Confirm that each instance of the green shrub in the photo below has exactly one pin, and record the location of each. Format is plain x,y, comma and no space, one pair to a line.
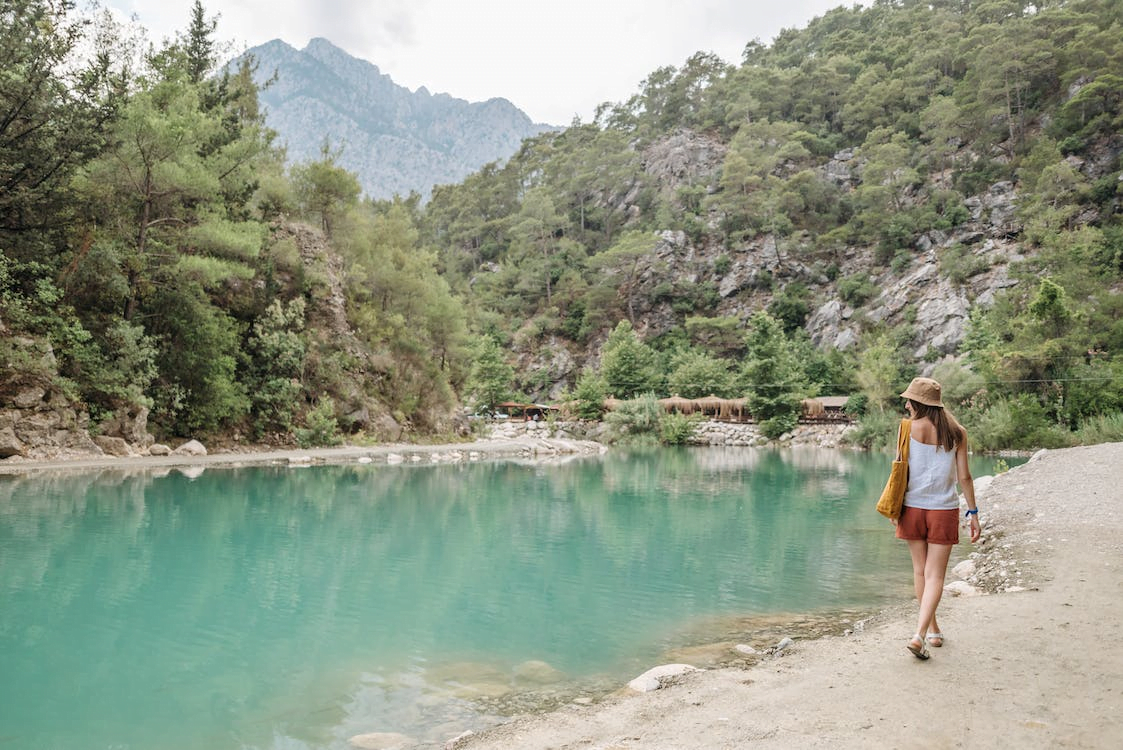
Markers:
321,427
958,263
1105,428
634,422
774,427
589,395
1017,423
857,405
876,430
856,289
677,429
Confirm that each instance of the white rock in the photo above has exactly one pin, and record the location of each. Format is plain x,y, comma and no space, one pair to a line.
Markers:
784,644
394,458
745,649
653,678
964,570
459,739
961,588
191,448
159,449
981,485
365,459
382,741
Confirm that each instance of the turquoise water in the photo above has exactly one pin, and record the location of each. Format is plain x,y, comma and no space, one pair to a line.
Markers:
295,608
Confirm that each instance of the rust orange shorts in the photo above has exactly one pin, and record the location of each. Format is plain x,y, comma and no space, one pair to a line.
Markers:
932,526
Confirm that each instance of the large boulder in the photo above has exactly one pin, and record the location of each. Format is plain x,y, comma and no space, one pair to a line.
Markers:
190,448
129,423
112,446
385,428
10,445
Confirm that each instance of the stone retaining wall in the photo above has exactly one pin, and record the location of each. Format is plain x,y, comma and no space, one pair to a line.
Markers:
705,433
735,434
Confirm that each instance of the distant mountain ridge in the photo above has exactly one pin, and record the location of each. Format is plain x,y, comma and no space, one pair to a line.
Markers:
394,139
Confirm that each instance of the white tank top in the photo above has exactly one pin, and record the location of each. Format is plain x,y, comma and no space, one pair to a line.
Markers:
931,477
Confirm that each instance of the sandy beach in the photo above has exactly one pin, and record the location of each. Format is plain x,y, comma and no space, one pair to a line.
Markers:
1032,668
1030,659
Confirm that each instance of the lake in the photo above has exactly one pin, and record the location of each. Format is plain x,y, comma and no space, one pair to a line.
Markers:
294,608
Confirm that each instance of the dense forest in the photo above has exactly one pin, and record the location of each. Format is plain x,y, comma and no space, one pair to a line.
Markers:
160,263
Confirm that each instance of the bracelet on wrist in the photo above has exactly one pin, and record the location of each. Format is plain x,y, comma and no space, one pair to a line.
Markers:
971,512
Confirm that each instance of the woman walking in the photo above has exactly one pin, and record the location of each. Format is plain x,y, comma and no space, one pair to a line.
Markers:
929,520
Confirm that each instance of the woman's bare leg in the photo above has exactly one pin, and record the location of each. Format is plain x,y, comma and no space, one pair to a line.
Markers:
935,569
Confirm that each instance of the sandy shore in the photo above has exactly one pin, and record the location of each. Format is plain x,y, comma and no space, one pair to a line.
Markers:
1036,668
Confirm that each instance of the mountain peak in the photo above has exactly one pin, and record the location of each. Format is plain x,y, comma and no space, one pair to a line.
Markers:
395,140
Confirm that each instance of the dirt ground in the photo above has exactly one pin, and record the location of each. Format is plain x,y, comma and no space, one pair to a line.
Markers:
1036,668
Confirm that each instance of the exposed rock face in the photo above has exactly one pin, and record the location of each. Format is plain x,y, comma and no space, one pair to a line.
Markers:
327,321
129,424
685,158
37,420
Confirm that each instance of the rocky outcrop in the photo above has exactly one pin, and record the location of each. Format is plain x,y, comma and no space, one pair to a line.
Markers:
685,158
935,297
130,424
37,419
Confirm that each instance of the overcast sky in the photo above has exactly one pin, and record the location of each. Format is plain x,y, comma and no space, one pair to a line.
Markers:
553,60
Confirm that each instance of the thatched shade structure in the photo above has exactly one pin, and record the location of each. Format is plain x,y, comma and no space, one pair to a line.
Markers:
708,404
733,408
678,404
811,407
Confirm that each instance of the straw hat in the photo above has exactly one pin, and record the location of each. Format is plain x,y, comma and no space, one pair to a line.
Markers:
924,391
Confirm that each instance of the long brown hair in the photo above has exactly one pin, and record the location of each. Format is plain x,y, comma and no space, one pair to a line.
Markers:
949,433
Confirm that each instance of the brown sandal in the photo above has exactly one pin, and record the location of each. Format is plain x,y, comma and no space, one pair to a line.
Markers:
916,648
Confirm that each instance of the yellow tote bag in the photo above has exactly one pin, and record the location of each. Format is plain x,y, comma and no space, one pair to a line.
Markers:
893,496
